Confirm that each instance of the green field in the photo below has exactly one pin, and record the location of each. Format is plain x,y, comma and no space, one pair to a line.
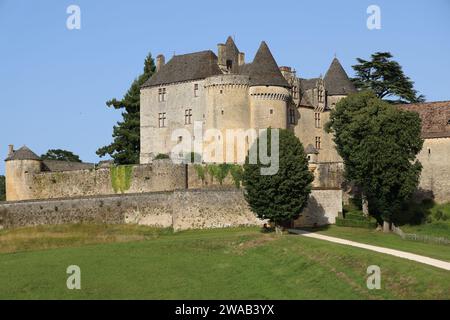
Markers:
127,262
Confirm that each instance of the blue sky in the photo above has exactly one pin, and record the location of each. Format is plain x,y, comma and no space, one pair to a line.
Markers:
54,82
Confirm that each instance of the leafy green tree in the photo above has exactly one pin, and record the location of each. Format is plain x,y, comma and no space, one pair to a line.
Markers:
125,147
2,188
280,197
62,155
378,143
385,78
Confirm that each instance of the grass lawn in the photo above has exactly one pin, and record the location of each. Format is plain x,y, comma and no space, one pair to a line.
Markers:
389,240
434,229
128,262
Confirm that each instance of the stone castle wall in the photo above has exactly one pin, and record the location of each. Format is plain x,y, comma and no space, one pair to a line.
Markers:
160,194
435,176
159,176
181,210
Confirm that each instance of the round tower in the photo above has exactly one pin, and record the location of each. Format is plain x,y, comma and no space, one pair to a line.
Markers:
269,92
227,102
20,166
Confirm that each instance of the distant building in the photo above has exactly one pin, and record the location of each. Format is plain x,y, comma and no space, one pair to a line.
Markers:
435,154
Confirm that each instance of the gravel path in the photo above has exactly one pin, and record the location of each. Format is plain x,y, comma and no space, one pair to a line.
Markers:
397,253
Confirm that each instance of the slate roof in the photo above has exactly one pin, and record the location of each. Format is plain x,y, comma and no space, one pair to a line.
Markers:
186,67
264,71
435,118
307,84
336,80
311,150
23,153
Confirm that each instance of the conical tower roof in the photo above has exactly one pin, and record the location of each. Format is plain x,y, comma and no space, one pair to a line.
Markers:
23,153
264,70
231,45
336,80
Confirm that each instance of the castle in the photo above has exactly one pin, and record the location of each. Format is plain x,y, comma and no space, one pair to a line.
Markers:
224,92
221,92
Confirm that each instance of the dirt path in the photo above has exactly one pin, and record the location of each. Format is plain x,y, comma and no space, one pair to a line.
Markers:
397,253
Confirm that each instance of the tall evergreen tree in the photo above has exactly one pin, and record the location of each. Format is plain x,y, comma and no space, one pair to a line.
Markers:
125,147
385,78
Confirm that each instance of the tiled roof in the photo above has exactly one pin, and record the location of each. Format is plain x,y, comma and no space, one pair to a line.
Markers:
435,118
23,153
186,67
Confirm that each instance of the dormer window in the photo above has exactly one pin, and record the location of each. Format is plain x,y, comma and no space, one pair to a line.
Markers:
320,95
294,92
229,65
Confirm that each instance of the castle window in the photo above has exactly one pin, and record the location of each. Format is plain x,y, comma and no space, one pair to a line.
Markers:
318,142
320,93
162,120
271,111
188,116
221,112
317,119
448,122
196,90
161,94
229,65
295,92
291,116
180,139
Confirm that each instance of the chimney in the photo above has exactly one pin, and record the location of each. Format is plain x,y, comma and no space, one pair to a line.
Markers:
160,61
221,54
241,58
10,150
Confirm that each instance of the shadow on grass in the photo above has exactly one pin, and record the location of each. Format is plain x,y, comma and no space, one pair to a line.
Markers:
298,230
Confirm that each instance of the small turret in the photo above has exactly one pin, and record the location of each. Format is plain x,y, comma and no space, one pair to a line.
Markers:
269,91
20,166
229,57
311,153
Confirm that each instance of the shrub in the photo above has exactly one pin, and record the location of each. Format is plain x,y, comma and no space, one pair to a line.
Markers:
280,197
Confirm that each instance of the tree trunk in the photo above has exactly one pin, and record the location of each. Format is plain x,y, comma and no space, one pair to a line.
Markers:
365,204
386,226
